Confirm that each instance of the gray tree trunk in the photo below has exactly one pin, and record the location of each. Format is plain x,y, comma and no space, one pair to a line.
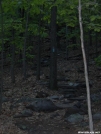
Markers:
86,71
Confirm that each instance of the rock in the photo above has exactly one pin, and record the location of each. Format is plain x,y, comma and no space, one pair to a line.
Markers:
75,118
25,113
79,84
25,99
54,97
73,84
66,101
22,100
42,104
96,97
61,97
71,107
97,116
71,110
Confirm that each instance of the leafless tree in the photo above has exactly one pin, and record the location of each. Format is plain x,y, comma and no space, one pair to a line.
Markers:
86,71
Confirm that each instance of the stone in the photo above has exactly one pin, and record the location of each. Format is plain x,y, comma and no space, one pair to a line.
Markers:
54,97
71,110
24,113
42,104
79,84
61,97
22,100
75,118
66,101
96,97
73,84
97,116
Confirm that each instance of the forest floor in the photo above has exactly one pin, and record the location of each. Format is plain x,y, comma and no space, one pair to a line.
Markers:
48,122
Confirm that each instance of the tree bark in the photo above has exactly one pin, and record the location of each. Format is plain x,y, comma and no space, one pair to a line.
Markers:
39,50
24,48
67,43
86,71
1,64
12,58
96,44
53,63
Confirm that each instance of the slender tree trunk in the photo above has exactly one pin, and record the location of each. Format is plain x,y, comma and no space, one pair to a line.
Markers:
86,72
24,48
53,66
12,58
1,63
67,42
39,50
90,38
96,44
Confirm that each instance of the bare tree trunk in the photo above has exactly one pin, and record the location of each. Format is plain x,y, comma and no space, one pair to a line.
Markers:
39,49
67,42
1,63
86,71
53,65
24,48
96,44
12,58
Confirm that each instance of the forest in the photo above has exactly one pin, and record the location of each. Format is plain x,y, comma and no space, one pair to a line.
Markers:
50,66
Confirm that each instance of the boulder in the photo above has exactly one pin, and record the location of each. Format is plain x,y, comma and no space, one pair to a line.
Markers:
71,110
42,104
75,118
